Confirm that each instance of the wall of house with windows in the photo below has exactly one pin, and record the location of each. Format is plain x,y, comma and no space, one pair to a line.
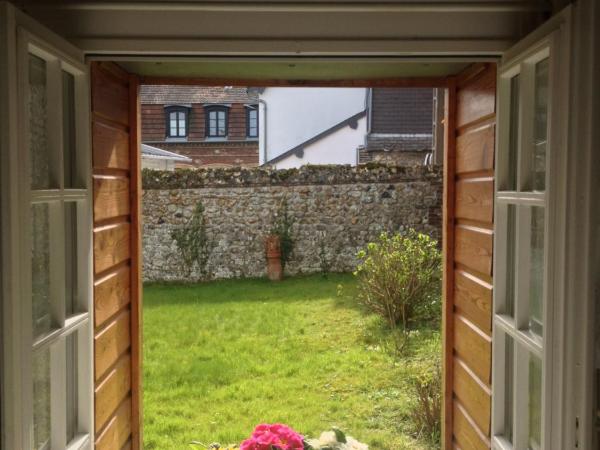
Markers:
214,126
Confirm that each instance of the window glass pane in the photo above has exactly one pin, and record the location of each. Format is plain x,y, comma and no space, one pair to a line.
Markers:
535,403
71,394
222,116
38,127
509,362
70,258
540,125
511,239
40,269
173,117
173,131
70,174
513,141
41,399
173,123
536,287
182,127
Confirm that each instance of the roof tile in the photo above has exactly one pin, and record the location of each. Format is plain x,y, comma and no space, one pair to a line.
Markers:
164,95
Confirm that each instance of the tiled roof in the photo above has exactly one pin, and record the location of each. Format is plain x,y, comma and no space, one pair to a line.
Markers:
195,94
153,152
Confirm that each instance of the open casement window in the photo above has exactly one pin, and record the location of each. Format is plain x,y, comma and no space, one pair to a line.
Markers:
177,121
56,299
525,324
217,121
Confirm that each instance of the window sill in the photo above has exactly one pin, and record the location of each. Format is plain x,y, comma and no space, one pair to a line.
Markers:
216,139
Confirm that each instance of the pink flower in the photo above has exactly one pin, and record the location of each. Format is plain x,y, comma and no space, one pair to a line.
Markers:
268,437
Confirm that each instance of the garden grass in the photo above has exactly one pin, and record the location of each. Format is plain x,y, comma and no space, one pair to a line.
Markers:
221,357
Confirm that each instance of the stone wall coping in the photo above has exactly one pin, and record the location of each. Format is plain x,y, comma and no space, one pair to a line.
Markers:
306,175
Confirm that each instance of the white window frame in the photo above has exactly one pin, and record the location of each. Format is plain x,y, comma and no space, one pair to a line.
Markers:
19,346
551,40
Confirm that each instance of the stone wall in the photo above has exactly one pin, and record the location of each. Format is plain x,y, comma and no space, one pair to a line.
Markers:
336,210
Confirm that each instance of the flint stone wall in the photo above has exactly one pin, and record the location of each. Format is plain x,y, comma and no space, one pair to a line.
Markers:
336,210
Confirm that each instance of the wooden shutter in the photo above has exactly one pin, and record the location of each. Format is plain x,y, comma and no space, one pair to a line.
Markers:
117,295
468,245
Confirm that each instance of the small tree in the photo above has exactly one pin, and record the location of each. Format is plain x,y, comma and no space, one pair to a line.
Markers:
282,226
193,243
399,278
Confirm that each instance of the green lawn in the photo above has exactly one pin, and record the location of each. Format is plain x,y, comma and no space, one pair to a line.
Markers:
221,357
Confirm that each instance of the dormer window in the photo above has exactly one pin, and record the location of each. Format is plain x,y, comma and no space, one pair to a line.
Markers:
217,118
252,121
177,121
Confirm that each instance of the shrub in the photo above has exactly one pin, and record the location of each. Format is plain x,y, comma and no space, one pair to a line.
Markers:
399,278
193,243
426,413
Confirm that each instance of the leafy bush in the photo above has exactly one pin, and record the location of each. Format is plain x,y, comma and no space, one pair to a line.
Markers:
426,413
283,223
399,278
193,243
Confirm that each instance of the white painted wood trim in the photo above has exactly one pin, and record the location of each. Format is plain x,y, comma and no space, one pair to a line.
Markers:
24,36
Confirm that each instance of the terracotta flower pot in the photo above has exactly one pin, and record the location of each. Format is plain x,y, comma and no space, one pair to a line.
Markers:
273,251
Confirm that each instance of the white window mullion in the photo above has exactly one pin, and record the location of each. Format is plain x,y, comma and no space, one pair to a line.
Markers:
26,337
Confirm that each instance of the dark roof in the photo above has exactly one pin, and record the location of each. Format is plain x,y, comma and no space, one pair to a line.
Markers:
154,152
166,95
351,121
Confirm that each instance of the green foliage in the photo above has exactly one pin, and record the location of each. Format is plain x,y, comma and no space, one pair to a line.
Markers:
193,243
426,411
399,278
282,226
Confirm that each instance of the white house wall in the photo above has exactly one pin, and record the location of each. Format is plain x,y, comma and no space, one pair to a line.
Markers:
339,147
295,115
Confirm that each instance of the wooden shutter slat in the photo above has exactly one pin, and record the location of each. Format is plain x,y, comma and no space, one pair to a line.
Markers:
117,303
468,250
